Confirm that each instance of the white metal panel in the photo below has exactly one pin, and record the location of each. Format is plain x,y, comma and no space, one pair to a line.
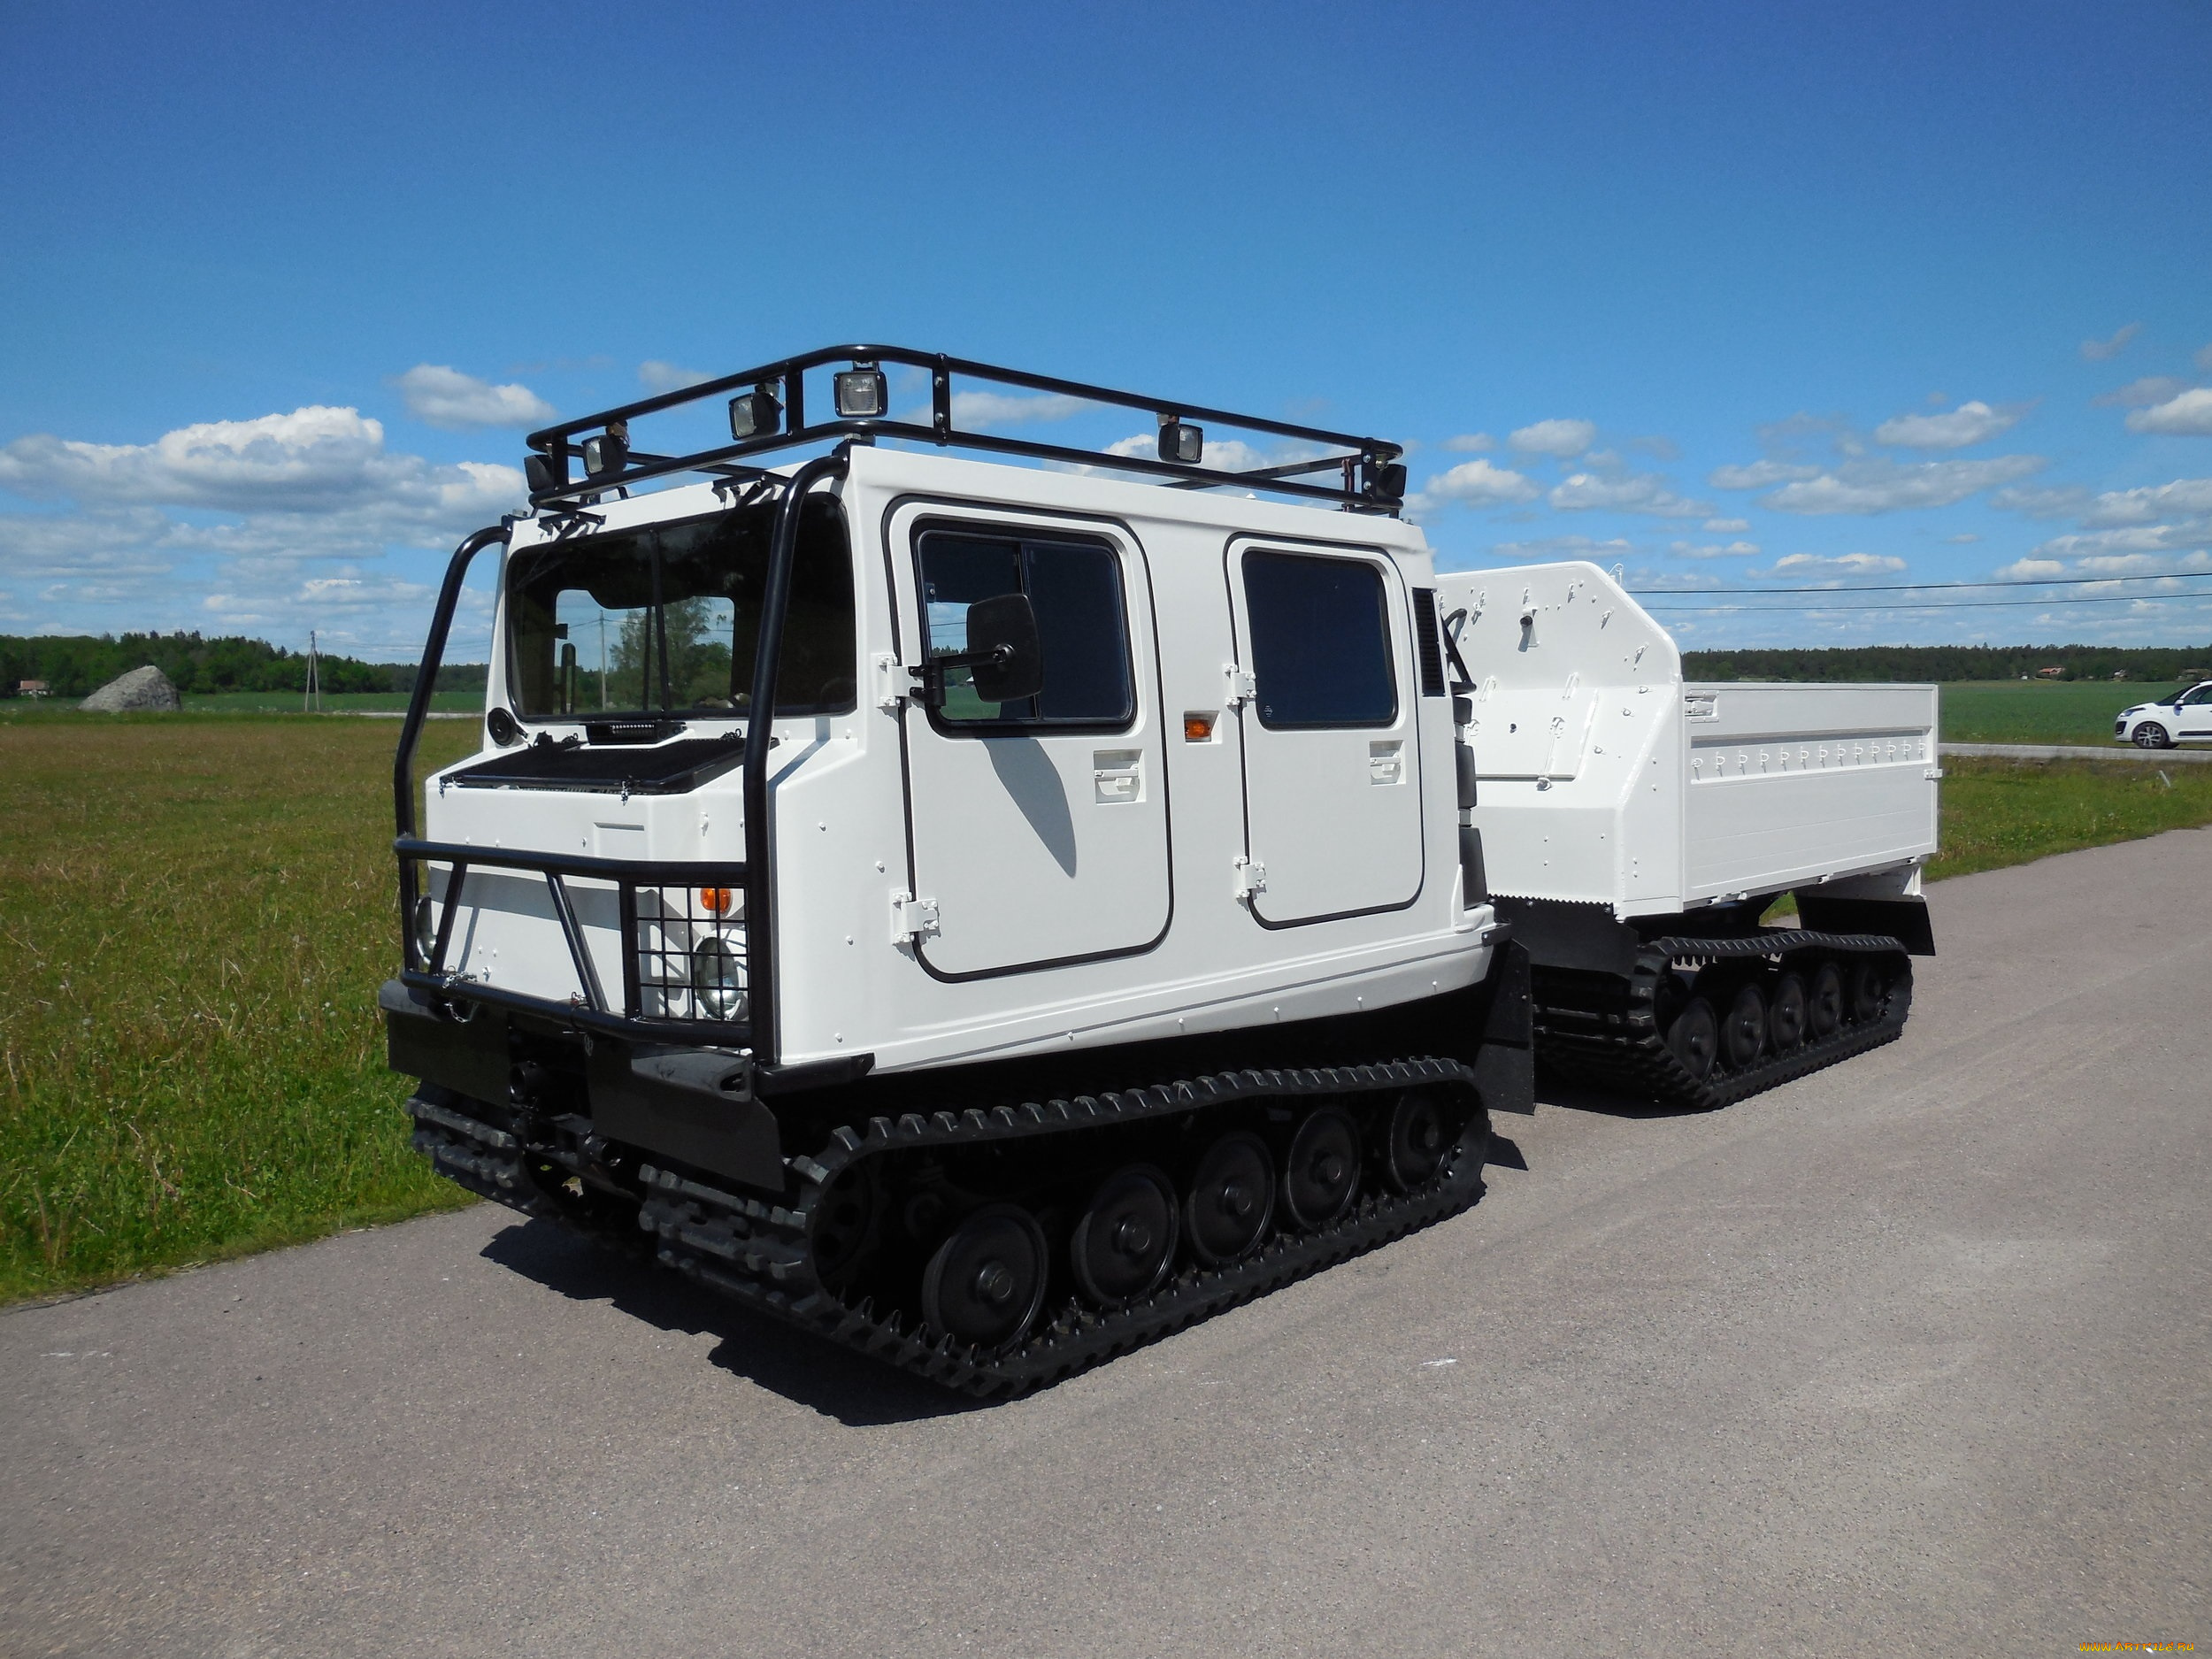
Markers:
1674,795
1048,846
1335,814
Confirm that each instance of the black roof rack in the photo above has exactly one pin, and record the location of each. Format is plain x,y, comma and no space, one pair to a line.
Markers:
774,417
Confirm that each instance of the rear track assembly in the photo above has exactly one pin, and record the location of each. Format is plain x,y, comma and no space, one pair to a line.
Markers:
1602,1029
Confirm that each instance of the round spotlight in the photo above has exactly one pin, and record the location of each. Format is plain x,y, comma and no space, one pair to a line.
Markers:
718,975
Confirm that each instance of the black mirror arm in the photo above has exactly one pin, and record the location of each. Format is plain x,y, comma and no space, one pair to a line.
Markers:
930,675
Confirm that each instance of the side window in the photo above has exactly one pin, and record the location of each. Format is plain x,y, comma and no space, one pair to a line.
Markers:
1075,589
1320,642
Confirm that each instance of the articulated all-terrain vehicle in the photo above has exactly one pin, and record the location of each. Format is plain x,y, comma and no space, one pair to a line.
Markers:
992,915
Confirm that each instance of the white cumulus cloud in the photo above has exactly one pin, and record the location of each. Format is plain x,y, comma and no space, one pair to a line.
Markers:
1710,550
1823,567
2149,504
1564,439
1877,486
656,374
1473,484
2104,350
1553,549
443,397
1955,429
1471,442
2152,388
1727,526
1761,474
2187,414
315,459
1625,492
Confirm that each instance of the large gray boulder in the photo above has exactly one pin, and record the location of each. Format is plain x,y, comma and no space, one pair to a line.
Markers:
142,690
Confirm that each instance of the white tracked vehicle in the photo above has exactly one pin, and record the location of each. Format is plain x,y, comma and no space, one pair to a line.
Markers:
993,916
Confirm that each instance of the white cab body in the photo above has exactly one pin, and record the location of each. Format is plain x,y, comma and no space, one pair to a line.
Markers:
946,896
1605,778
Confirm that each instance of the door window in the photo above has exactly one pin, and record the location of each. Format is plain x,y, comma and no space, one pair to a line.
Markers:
1075,589
1320,642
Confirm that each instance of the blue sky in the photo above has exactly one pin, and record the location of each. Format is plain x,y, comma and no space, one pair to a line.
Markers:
1733,295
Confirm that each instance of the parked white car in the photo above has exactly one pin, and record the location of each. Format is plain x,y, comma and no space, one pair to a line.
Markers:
2187,718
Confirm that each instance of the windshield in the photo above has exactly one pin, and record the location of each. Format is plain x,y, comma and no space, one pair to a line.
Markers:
661,619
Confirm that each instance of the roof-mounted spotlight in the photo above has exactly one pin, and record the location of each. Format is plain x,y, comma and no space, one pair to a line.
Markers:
1180,441
756,414
862,394
609,451
541,475
1382,480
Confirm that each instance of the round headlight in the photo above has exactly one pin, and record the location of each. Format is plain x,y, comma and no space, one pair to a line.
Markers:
717,974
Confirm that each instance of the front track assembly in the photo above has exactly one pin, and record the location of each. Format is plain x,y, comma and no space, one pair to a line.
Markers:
832,1257
1702,1023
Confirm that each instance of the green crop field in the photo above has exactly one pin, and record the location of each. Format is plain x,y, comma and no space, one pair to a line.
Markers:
2038,710
196,911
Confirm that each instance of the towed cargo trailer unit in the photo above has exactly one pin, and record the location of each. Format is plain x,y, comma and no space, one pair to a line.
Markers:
1635,829
989,916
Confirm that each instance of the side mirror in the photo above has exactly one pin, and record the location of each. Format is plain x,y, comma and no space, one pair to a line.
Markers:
1004,655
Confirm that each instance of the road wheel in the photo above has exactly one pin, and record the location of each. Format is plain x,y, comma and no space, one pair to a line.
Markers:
1743,1034
1123,1240
1230,1200
1413,1141
986,1283
1786,1015
1869,991
1321,1173
1694,1036
1824,1003
2150,734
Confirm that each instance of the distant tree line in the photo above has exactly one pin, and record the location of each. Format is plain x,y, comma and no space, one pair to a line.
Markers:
1950,661
73,665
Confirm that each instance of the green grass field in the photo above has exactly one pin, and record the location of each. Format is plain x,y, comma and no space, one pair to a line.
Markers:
2038,710
337,702
195,912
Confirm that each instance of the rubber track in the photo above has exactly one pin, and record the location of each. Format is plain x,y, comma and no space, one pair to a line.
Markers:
1613,1040
757,1253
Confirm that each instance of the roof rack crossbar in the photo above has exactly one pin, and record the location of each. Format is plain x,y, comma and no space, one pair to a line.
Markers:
1362,461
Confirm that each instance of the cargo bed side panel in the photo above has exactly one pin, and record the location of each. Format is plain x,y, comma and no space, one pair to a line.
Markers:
1795,784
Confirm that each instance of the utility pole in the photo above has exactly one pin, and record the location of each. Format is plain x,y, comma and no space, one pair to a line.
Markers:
311,698
602,662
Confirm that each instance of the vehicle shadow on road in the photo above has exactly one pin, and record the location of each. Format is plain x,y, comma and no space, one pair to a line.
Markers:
805,1370
1581,1097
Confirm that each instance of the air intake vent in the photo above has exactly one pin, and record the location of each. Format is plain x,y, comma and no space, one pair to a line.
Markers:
1430,641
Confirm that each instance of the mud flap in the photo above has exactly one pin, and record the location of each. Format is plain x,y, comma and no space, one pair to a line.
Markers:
688,1104
468,1057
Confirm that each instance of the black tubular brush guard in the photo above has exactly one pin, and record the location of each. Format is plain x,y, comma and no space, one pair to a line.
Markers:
755,877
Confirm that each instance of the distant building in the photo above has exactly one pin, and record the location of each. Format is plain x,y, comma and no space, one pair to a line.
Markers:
2050,673
2119,673
32,688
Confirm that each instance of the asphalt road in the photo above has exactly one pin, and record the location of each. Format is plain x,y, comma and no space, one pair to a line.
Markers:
1911,1354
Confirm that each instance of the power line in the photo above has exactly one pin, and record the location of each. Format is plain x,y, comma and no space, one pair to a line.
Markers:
1916,588
1953,604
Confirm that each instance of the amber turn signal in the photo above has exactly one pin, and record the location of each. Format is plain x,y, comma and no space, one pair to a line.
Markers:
1198,728
718,900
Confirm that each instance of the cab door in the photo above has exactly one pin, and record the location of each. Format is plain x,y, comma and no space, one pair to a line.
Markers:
1332,786
1039,829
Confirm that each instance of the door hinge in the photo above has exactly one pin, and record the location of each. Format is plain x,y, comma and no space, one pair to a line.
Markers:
1241,689
911,918
1251,879
894,683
